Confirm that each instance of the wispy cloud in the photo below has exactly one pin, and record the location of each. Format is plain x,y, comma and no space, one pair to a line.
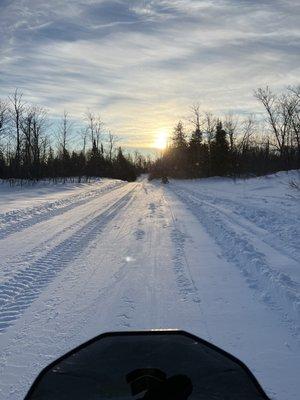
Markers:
142,63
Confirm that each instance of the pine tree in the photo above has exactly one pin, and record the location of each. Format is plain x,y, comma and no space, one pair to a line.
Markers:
51,172
125,170
179,137
179,152
65,164
77,163
196,152
95,162
220,152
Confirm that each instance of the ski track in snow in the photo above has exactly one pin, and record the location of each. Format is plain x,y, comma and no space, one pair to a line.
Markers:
143,255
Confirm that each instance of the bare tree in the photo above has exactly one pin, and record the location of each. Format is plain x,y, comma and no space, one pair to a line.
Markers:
64,133
3,120
84,134
38,133
280,111
112,141
196,118
95,126
210,124
139,161
247,131
3,115
33,127
295,90
295,115
16,113
26,127
230,125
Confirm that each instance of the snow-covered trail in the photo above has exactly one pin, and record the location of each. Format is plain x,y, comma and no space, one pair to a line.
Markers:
143,255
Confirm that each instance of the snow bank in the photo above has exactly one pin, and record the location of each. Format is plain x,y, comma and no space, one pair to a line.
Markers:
22,206
256,223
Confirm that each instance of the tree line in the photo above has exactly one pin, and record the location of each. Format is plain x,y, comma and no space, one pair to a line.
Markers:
233,146
30,149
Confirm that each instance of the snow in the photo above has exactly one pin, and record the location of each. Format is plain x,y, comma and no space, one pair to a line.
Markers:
216,257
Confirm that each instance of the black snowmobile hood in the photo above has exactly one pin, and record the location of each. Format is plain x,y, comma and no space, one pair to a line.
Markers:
150,365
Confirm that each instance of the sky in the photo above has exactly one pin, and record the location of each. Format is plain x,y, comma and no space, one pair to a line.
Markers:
141,64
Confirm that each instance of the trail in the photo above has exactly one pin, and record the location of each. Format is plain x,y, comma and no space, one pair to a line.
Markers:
144,255
245,245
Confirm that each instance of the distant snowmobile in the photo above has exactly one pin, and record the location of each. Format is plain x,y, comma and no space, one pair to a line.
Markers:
164,179
154,365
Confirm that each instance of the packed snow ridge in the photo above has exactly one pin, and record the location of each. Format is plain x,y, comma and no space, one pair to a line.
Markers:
216,257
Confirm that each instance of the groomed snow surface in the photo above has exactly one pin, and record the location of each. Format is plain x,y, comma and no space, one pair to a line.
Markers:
215,257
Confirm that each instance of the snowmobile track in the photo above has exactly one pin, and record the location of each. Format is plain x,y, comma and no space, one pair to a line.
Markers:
19,292
238,246
184,279
153,258
262,223
12,222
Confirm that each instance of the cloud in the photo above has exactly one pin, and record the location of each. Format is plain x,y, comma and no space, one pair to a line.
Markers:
141,63
107,12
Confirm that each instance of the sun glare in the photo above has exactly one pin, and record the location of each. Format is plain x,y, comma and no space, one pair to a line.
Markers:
161,140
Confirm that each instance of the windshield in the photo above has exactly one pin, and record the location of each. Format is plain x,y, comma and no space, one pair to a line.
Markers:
152,366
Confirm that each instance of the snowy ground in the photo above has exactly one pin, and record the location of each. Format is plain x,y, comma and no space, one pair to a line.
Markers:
214,257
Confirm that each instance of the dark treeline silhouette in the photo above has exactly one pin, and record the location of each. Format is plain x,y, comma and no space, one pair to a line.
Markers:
233,147
29,149
32,149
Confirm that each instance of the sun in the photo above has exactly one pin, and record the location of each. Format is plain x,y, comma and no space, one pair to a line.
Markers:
161,139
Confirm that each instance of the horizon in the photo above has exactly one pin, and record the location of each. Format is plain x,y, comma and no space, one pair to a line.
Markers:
142,65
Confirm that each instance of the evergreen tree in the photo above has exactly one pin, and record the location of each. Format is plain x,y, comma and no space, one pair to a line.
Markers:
78,163
220,152
197,157
179,137
125,170
65,164
178,153
51,170
95,162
